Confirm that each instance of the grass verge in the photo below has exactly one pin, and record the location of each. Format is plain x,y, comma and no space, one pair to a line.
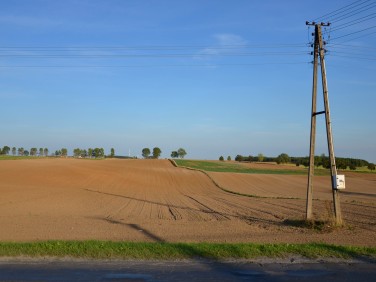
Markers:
8,157
173,251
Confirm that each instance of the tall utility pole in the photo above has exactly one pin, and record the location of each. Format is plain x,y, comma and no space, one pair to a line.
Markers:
319,51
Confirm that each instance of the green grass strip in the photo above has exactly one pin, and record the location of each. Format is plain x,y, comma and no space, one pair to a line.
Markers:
12,158
239,168
173,251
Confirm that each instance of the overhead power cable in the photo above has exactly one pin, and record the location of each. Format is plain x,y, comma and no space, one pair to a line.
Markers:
354,22
341,10
355,32
151,66
90,56
352,13
147,47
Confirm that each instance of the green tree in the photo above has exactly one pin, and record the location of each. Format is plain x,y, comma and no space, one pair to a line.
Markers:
64,152
371,166
239,158
45,151
90,152
229,158
174,154
98,152
5,150
40,152
145,152
181,153
14,151
21,151
283,159
26,153
260,157
33,151
112,153
84,153
156,152
77,152
221,158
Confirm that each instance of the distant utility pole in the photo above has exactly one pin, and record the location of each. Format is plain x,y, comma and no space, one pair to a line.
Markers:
338,181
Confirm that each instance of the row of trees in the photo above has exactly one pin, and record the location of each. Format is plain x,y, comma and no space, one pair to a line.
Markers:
342,163
23,152
156,153
91,153
96,152
180,153
147,154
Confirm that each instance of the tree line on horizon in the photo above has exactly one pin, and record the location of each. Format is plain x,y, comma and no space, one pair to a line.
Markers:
63,152
86,153
320,161
147,154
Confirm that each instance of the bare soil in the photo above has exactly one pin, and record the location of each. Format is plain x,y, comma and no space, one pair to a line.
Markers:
151,200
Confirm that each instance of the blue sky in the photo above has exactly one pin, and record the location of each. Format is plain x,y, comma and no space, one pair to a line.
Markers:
214,77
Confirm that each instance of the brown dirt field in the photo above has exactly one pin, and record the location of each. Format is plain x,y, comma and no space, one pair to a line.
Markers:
151,200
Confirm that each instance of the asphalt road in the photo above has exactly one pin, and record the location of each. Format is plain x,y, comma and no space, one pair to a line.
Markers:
192,270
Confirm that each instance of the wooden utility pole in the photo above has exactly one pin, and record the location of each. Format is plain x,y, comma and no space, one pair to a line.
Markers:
319,51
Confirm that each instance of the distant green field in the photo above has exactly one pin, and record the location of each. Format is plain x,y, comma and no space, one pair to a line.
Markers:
8,157
217,166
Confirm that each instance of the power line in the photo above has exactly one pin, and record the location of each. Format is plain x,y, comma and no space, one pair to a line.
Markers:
354,22
96,56
355,32
352,13
147,47
151,66
341,10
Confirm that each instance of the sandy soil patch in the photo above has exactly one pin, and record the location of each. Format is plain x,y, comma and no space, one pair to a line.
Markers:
150,200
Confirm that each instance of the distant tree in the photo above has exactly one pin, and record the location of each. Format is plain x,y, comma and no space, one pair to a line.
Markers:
14,151
250,158
283,158
181,153
221,158
229,158
174,154
77,152
26,153
21,151
371,166
112,153
83,153
90,152
45,152
40,152
58,153
156,152
239,158
33,151
145,152
341,164
352,166
98,152
260,157
5,150
64,152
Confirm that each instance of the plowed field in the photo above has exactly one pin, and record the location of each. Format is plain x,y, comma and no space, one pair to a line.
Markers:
151,200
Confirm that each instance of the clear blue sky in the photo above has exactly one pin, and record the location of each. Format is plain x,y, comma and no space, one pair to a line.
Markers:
214,77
